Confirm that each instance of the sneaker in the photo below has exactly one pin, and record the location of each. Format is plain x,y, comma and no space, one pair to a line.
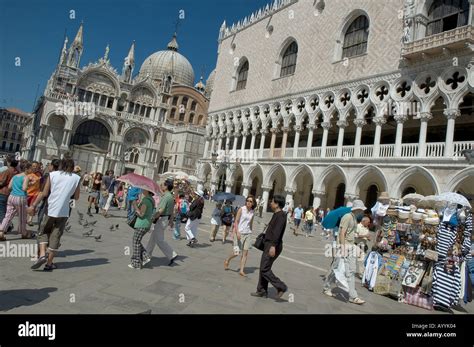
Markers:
357,301
262,294
194,240
40,261
133,267
145,261
190,244
328,292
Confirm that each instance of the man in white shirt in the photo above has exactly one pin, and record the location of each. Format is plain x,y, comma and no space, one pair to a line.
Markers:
60,186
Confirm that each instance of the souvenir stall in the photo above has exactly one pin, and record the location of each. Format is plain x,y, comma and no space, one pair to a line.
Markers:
419,256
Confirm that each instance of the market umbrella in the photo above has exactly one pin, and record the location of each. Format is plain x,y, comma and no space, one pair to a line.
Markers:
224,196
333,218
453,198
140,181
412,199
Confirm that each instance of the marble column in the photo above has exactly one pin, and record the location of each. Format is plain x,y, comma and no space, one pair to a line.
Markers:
399,137
296,144
206,147
213,145
309,146
289,196
227,142
359,123
262,142
379,121
234,146
252,143
284,141
265,196
244,142
326,126
219,143
246,190
273,140
424,118
317,198
114,105
340,139
451,115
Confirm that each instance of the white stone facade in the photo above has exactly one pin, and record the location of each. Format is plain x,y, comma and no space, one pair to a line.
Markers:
395,117
120,121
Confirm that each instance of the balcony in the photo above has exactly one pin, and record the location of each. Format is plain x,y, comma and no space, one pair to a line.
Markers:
434,44
409,151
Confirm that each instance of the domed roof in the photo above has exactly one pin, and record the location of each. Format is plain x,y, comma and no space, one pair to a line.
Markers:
210,83
169,62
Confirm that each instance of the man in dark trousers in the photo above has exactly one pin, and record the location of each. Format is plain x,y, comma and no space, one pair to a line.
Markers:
273,245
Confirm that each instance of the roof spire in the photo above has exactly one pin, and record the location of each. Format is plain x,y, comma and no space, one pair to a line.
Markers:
173,44
78,39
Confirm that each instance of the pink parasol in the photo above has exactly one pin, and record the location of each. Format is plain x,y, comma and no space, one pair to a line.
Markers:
141,182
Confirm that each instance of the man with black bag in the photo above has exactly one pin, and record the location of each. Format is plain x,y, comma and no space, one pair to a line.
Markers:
273,245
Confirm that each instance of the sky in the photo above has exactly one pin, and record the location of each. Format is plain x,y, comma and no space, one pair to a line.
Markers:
33,30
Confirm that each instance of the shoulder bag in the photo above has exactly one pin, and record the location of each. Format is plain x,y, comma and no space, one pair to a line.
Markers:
259,241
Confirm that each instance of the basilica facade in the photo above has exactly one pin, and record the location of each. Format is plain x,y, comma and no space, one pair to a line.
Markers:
325,101
149,123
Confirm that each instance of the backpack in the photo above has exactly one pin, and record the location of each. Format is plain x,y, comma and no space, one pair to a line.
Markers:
183,209
227,216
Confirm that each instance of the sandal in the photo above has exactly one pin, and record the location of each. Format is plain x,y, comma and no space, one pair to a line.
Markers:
226,265
357,301
328,292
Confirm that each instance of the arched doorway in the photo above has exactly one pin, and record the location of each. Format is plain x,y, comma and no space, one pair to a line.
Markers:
408,190
255,185
92,132
371,196
221,183
302,181
340,192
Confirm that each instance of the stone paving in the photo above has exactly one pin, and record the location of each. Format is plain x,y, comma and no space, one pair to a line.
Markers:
93,277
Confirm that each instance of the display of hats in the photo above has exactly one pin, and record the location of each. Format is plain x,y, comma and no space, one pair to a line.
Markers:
416,215
432,220
431,213
383,197
403,214
392,211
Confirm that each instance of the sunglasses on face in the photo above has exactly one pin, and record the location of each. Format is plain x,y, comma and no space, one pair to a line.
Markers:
249,201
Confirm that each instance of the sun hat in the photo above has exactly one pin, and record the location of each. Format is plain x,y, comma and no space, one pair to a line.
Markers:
199,192
383,197
358,205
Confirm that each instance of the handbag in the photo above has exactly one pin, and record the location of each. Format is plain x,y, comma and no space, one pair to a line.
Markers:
132,220
382,284
259,241
414,297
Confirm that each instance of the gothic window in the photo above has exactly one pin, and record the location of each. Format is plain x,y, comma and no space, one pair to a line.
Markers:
130,107
173,112
161,166
242,76
148,111
95,100
102,100
193,106
181,117
142,111
134,155
356,38
446,15
88,96
175,101
191,118
80,94
288,64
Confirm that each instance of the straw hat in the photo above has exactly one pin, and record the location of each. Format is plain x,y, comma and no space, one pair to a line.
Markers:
416,215
358,205
384,197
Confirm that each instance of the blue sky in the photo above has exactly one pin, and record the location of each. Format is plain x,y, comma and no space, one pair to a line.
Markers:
34,29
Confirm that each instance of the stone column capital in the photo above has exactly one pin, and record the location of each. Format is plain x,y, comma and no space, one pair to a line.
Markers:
274,131
290,190
380,121
298,128
255,132
267,188
311,127
326,125
425,116
342,124
400,119
452,113
286,130
358,122
318,193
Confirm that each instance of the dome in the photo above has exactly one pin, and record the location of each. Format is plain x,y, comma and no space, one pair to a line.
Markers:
169,62
210,83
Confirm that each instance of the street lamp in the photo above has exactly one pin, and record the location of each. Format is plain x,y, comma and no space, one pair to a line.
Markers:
224,162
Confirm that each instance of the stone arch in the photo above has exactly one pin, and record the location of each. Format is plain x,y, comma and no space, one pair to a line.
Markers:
367,177
87,78
204,170
237,178
236,70
136,136
301,181
253,170
271,173
418,177
300,169
134,93
332,182
82,134
463,180
327,172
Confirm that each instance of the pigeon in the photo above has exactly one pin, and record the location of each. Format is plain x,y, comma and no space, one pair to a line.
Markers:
111,228
97,238
88,233
92,223
68,229
116,226
85,224
81,215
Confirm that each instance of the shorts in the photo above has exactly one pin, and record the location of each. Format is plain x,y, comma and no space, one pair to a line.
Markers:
297,222
51,230
244,243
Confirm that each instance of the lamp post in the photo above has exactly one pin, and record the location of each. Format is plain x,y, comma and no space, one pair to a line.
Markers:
224,162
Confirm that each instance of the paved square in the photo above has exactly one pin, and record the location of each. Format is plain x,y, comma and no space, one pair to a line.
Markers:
93,277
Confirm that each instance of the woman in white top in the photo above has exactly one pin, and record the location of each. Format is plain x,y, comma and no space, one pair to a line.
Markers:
242,233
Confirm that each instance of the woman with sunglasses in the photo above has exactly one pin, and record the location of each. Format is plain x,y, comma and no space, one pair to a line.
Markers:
242,233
